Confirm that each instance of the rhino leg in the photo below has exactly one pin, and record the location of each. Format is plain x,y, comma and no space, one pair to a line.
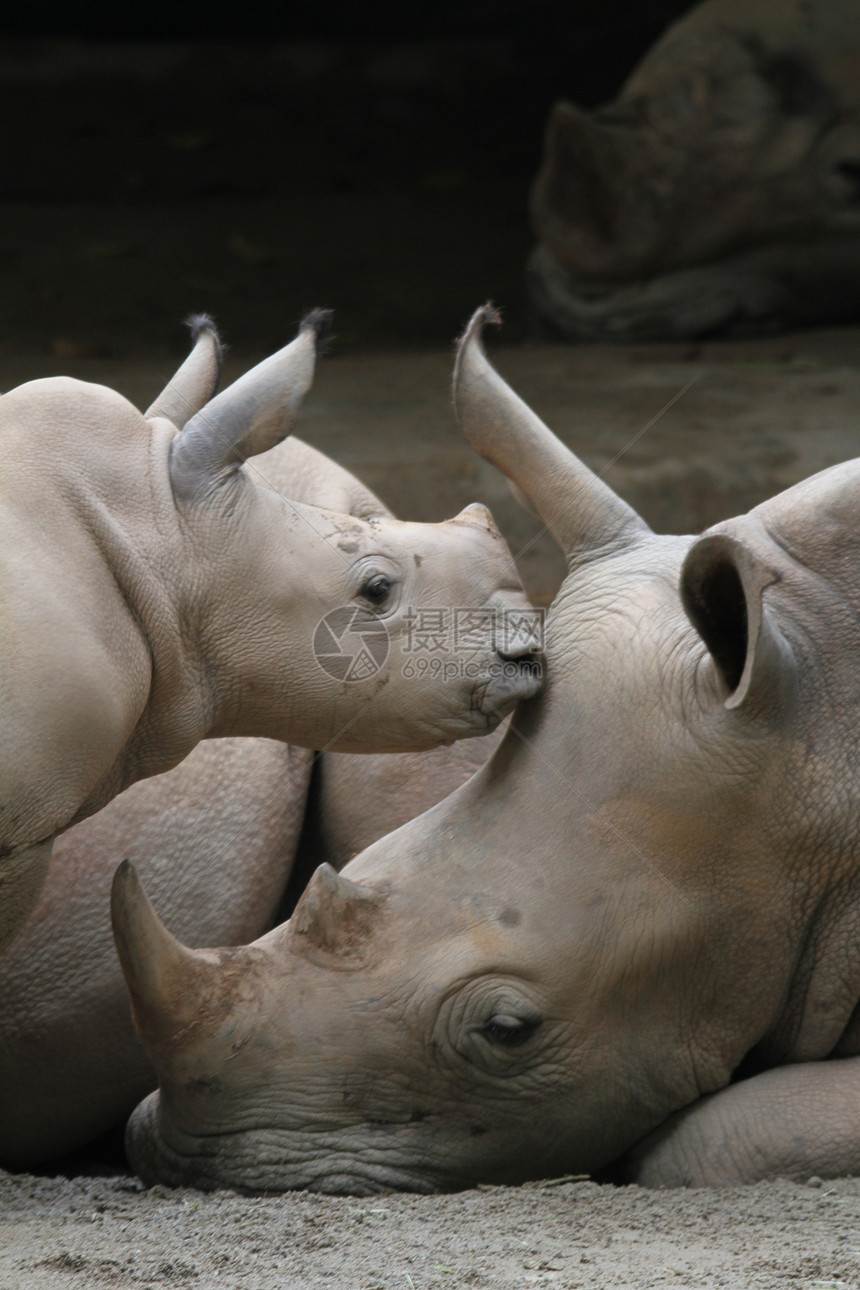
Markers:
22,877
795,1122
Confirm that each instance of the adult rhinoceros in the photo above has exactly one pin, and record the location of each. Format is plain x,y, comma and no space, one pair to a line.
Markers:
720,191
651,887
155,593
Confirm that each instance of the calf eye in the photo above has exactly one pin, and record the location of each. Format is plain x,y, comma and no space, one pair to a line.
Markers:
509,1032
376,590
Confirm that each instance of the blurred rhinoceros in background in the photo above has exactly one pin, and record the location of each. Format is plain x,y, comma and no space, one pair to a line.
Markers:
720,192
651,888
156,593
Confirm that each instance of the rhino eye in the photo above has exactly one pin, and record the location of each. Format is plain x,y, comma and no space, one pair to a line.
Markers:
376,590
509,1032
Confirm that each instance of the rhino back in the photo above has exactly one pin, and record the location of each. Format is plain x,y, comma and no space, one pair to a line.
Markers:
65,711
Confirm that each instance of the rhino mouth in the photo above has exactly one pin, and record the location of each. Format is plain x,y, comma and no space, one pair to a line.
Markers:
255,1161
510,681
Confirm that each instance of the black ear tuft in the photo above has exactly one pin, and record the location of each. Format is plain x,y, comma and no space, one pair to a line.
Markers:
197,324
319,321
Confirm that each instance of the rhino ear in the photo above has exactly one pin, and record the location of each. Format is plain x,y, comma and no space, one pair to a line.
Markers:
333,921
722,581
178,995
249,417
197,379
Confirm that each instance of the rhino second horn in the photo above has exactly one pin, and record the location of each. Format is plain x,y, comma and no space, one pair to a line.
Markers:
580,511
332,923
196,381
173,989
252,415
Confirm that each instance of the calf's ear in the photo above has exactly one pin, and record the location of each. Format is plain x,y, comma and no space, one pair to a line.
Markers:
249,417
722,585
196,380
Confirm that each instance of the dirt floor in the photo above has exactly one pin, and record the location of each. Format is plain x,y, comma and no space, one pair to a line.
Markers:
108,1232
689,435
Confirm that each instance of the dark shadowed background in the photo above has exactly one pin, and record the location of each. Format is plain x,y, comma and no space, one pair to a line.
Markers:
256,160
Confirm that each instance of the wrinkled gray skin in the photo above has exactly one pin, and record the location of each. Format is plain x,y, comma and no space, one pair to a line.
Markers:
215,840
719,192
166,595
654,879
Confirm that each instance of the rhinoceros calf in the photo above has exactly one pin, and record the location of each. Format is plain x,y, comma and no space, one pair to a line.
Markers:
215,839
652,886
155,594
720,191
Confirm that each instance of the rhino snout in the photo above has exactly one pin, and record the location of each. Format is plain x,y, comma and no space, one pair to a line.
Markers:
519,644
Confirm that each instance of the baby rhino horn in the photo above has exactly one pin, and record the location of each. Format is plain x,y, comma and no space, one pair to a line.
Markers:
333,922
178,995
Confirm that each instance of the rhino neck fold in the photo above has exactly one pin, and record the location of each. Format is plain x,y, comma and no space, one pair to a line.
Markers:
148,555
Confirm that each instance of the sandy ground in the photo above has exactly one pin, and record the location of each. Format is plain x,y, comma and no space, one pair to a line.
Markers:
689,434
95,1232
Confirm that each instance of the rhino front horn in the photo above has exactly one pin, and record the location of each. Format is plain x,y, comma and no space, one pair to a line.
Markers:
175,992
589,205
250,416
580,511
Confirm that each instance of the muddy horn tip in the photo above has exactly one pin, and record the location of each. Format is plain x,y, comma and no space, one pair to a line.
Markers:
318,321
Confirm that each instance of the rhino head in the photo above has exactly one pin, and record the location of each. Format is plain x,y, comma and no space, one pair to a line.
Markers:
195,599
309,635
719,191
654,879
